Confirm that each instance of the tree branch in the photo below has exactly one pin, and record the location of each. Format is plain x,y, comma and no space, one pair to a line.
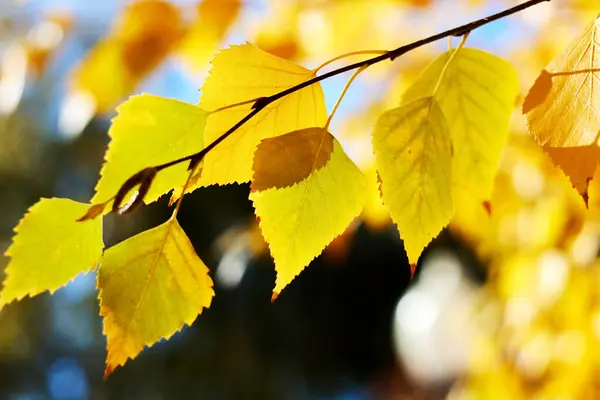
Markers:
391,55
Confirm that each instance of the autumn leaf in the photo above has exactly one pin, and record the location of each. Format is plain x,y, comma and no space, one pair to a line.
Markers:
242,73
288,159
299,221
562,106
148,131
413,155
150,286
50,248
477,93
214,18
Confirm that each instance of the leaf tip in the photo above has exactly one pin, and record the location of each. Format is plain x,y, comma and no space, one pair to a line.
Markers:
274,296
94,211
108,371
413,268
487,206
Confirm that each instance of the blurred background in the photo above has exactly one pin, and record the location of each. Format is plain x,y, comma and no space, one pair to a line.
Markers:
504,304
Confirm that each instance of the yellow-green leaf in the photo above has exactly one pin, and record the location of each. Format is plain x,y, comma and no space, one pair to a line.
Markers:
299,221
563,106
150,286
50,248
477,94
413,154
241,73
148,131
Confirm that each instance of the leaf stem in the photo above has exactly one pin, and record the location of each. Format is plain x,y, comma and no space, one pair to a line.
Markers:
391,55
339,100
452,57
241,103
354,53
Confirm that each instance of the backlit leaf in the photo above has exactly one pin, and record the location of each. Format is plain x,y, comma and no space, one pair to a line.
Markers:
563,106
413,154
149,131
477,94
287,159
299,221
242,73
150,286
50,248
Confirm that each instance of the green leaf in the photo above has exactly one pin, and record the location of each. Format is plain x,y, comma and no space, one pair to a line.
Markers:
50,248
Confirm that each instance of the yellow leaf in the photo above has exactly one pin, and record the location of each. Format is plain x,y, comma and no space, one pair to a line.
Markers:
563,105
242,73
299,221
413,154
150,286
50,248
148,131
477,94
288,159
214,19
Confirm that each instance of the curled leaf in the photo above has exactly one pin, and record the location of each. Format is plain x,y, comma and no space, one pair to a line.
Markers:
142,180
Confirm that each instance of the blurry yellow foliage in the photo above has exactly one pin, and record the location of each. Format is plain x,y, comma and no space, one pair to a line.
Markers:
144,35
203,37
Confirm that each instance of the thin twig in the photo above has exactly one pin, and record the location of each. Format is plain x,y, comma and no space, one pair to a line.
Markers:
391,55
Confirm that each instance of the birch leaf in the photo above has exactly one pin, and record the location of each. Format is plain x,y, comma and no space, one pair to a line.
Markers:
413,155
477,94
563,106
148,131
299,221
245,72
50,248
151,285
